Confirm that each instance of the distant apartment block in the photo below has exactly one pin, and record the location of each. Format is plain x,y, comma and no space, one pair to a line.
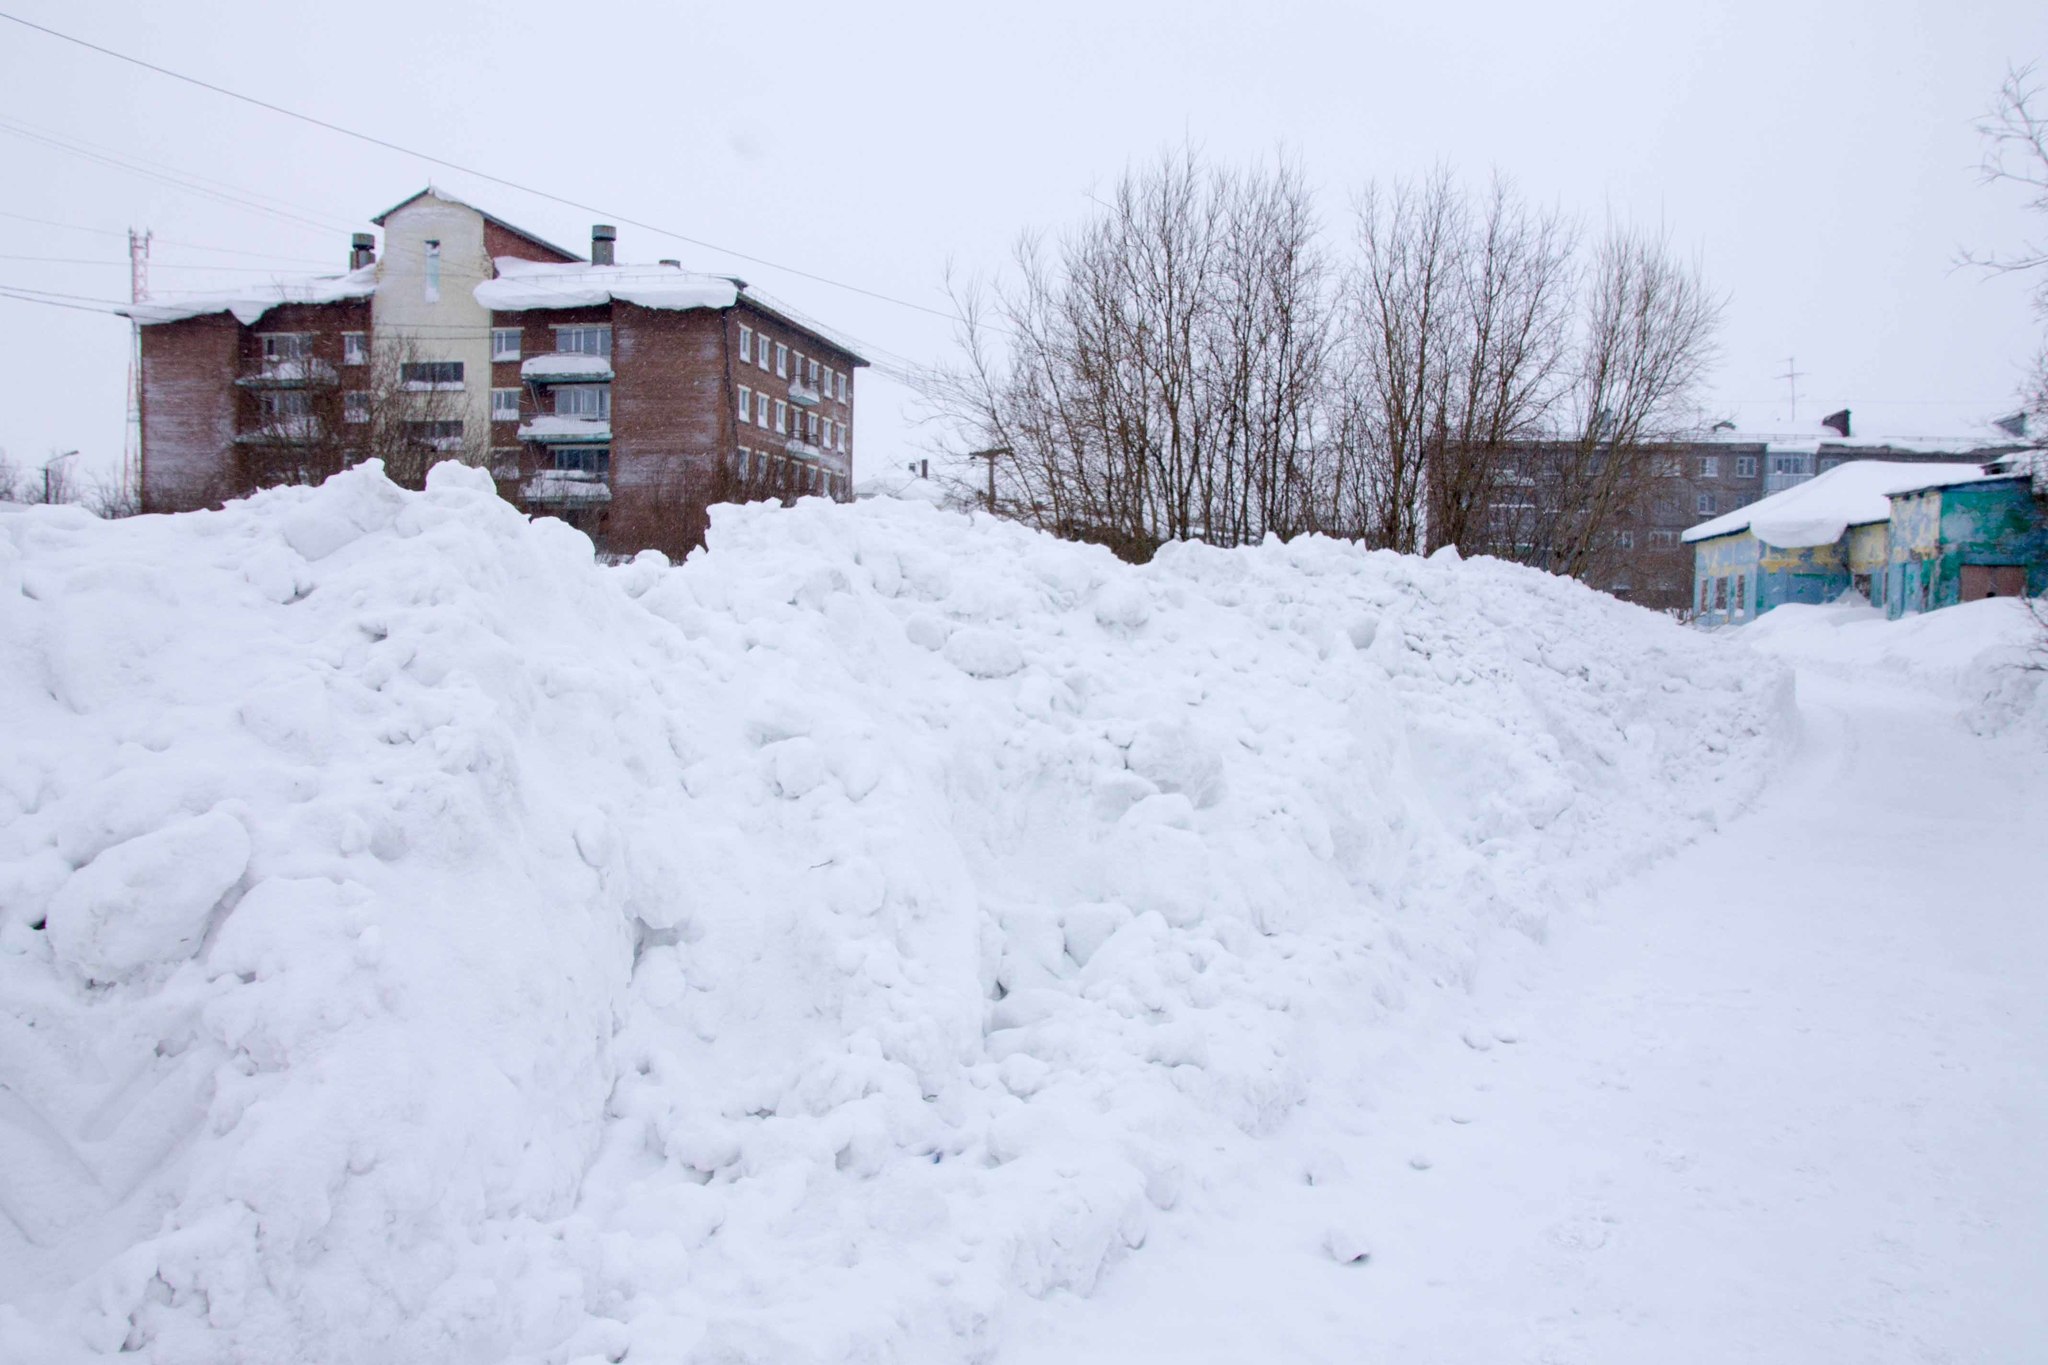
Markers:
621,398
1697,478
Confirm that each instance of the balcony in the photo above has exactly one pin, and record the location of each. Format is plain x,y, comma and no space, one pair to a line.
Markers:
567,367
803,395
288,374
566,487
289,431
804,450
550,429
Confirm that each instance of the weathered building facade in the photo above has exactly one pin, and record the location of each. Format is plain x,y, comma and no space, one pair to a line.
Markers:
623,398
1907,538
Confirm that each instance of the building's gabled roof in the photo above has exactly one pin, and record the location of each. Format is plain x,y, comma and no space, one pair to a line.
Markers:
1820,510
488,217
251,302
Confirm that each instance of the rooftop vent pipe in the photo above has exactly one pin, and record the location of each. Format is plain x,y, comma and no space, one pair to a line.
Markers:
602,235
1839,421
362,251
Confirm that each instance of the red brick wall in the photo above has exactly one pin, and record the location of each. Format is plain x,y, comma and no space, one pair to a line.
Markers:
188,411
500,242
757,376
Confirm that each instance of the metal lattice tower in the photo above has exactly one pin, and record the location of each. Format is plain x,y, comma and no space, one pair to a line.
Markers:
138,292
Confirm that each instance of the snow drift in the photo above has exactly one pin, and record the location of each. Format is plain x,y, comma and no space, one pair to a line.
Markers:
421,943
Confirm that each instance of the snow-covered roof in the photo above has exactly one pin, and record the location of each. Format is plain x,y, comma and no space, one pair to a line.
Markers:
251,302
1810,443
1820,510
539,284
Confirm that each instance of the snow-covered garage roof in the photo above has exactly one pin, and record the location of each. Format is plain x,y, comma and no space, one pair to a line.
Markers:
1820,510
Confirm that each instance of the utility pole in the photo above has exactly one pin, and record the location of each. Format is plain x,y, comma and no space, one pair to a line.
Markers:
138,292
1792,376
49,487
992,454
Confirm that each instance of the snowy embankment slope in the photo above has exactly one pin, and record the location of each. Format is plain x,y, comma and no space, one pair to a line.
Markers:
420,943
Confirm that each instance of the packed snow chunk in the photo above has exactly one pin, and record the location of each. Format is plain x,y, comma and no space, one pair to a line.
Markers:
148,900
984,654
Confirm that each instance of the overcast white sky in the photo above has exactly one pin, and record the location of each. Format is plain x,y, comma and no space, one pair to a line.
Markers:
1819,157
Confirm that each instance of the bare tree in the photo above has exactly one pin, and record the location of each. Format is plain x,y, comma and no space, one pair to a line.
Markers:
1647,336
1156,374
2015,133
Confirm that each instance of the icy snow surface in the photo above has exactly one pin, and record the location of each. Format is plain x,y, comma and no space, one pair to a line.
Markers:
545,284
420,943
251,303
1818,511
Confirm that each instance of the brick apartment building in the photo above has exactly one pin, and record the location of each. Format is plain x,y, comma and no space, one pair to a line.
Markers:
622,398
1716,471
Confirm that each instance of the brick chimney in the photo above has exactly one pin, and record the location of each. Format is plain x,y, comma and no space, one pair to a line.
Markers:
602,235
1839,421
362,251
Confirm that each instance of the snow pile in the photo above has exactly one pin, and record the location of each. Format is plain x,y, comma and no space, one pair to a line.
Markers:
419,943
544,284
251,303
1820,510
1990,656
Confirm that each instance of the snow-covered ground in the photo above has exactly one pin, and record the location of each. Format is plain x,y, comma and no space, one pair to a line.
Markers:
1780,1099
898,936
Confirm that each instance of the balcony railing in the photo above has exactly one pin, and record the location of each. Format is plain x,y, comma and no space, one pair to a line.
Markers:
803,449
567,367
287,431
288,374
575,486
803,395
552,429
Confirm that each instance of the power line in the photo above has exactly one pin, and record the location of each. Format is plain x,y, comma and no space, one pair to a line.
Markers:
189,246
471,171
165,265
7,292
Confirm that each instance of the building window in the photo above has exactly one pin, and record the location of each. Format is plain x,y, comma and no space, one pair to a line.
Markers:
1669,466
745,464
842,388
812,374
588,340
584,400
1741,593
797,366
781,361
431,374
811,427
760,409
1706,504
505,343
781,415
355,407
1791,464
746,404
1745,466
746,343
355,348
1625,539
1663,540
761,356
1720,594
433,279
282,346
504,405
1710,466
828,433
438,435
584,459
842,437
278,404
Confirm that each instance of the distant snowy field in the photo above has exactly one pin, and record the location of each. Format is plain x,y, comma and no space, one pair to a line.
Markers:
420,943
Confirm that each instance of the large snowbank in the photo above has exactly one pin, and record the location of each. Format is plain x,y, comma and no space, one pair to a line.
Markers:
1820,510
420,943
1990,656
